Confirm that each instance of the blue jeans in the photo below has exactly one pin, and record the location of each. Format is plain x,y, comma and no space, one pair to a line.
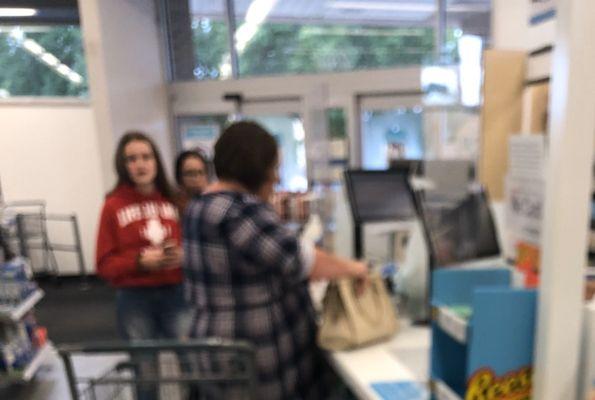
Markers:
152,313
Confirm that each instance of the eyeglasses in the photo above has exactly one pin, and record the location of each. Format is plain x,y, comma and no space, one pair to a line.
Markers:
193,173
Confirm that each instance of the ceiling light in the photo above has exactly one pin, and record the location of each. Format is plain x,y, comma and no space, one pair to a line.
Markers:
257,13
17,12
259,10
64,70
76,78
50,59
33,46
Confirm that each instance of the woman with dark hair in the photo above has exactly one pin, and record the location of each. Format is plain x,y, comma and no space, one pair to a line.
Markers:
138,245
247,274
192,176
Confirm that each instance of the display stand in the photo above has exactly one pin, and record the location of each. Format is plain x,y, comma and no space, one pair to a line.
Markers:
482,334
23,348
14,314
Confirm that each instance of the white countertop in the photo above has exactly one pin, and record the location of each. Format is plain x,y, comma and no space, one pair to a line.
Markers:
404,358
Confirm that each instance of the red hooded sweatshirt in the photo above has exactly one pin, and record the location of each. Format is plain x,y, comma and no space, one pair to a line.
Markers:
130,222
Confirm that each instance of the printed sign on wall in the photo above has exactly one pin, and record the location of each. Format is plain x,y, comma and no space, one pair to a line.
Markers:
542,10
524,202
200,136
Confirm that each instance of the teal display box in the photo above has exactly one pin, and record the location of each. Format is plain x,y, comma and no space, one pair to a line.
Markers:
482,335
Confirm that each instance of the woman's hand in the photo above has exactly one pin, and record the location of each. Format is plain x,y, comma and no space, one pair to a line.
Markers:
151,259
360,272
155,258
173,254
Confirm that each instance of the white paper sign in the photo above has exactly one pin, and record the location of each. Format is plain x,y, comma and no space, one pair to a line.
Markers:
524,209
526,156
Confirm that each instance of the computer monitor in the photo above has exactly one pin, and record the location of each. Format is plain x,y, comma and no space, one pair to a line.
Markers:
461,230
378,196
411,166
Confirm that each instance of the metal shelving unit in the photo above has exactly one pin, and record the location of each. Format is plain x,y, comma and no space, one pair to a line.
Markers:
11,321
29,372
14,314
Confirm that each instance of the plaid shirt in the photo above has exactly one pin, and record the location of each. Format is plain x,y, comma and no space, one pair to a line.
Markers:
245,279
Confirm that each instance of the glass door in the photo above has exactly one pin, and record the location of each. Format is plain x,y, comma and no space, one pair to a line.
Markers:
401,127
288,130
281,119
392,127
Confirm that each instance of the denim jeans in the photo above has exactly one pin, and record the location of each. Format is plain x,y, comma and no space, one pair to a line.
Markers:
152,313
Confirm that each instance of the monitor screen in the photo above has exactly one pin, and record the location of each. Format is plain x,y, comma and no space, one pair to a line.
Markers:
377,196
460,230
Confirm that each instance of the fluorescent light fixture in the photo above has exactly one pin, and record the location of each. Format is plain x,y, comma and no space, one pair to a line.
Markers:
33,47
257,13
17,12
259,10
50,60
64,70
76,78
244,34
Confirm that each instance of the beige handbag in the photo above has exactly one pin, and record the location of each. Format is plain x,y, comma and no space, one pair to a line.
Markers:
350,321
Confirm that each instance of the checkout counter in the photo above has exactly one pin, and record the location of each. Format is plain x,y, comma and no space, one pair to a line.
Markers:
386,228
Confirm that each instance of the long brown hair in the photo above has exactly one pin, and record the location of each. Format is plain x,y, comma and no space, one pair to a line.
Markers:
161,182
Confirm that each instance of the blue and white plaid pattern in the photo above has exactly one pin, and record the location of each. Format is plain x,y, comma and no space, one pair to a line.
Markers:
244,277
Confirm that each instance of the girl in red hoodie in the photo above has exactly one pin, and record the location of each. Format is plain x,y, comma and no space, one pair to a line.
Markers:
138,245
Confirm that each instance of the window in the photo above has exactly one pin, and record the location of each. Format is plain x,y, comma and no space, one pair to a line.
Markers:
388,131
294,37
42,61
289,133
464,18
210,41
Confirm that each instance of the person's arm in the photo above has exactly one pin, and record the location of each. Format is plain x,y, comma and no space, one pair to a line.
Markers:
111,262
329,266
589,290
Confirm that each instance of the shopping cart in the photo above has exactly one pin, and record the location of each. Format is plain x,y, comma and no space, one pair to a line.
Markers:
26,224
198,369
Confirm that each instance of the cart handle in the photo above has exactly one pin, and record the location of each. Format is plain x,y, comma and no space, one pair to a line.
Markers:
156,345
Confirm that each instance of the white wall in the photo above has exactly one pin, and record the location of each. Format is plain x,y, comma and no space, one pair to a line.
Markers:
510,24
49,152
511,29
126,74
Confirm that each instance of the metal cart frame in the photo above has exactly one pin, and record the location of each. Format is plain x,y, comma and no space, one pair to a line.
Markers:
245,376
31,233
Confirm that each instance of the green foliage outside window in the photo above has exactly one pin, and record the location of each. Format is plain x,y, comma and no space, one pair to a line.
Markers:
298,49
